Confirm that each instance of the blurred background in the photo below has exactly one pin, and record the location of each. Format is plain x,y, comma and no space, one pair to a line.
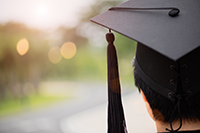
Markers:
53,65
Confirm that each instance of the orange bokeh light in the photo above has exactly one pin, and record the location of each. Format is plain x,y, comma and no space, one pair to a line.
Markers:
68,50
54,55
22,46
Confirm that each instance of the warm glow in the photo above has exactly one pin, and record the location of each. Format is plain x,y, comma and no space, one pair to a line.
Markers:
22,46
54,55
42,10
68,50
45,14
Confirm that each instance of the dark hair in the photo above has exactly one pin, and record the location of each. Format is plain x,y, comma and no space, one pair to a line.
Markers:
162,108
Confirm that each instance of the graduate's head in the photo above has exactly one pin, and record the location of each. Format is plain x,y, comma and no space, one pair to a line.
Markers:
171,87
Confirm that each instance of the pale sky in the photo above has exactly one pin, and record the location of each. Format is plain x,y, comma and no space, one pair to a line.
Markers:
43,14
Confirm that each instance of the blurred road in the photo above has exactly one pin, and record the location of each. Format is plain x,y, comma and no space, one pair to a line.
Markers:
85,114
94,120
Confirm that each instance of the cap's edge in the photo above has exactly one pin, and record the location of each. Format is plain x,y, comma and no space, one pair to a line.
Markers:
174,59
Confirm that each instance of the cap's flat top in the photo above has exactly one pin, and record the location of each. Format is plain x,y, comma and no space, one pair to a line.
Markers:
173,37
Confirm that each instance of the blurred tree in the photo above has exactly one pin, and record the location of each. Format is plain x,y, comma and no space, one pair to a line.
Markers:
125,45
17,70
70,35
96,34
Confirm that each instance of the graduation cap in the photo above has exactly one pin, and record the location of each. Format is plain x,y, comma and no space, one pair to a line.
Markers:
168,52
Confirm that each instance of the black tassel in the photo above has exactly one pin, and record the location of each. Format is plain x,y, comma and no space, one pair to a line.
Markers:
116,120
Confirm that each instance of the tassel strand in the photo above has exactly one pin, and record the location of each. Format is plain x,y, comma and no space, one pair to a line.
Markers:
116,120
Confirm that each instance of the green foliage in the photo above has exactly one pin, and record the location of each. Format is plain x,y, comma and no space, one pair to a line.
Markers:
10,106
125,46
88,63
20,74
126,49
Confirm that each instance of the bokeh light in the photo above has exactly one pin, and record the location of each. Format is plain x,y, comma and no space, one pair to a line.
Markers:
68,50
42,10
54,55
22,46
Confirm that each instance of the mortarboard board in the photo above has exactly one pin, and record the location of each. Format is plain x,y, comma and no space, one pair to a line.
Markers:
168,36
153,28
